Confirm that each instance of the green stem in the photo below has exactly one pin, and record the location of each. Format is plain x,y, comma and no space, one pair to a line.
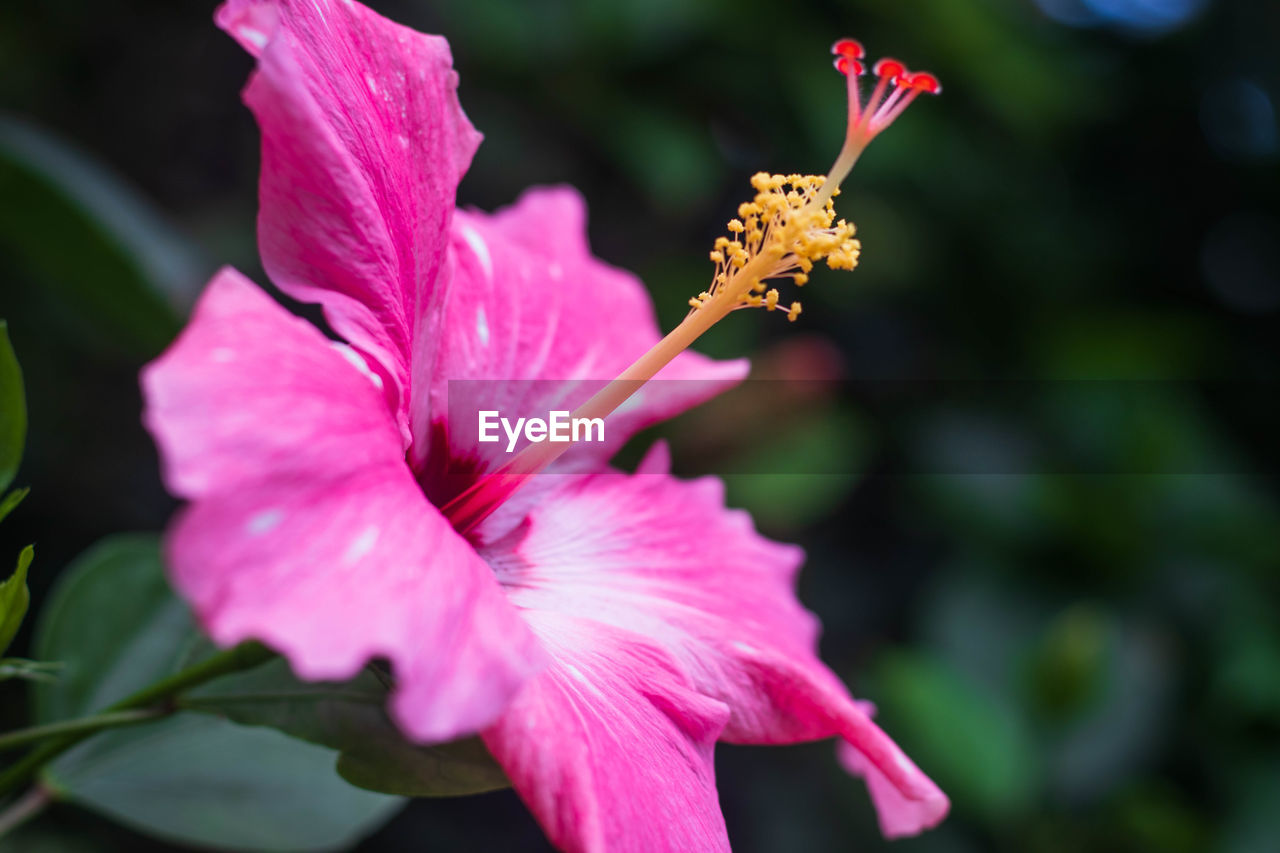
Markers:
157,697
95,723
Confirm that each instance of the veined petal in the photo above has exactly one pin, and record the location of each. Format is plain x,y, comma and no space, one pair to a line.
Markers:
665,560
527,303
363,145
307,530
610,747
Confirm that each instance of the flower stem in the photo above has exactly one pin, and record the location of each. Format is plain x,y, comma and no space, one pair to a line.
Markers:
156,698
23,809
97,722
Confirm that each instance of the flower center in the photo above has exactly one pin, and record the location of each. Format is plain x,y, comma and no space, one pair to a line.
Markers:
789,226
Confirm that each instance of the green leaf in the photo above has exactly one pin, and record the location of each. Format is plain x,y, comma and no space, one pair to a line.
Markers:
121,649
128,273
446,770
14,598
195,779
47,837
192,779
13,415
10,501
351,717
113,622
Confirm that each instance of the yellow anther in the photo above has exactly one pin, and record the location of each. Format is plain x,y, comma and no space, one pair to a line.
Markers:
787,230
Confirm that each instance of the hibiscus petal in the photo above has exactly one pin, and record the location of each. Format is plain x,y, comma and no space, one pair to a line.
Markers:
308,531
900,815
363,145
665,560
610,747
528,304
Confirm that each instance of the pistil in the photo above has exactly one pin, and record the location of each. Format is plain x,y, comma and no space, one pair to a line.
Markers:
780,234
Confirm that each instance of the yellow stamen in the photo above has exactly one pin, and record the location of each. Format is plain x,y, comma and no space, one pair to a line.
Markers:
788,227
788,231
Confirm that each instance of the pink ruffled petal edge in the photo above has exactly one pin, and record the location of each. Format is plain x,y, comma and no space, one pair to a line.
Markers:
665,560
906,805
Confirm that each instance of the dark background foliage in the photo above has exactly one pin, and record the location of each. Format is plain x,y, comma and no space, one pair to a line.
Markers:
1048,552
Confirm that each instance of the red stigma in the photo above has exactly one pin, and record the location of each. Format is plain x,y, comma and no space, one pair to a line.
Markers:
891,69
895,89
925,82
850,48
847,66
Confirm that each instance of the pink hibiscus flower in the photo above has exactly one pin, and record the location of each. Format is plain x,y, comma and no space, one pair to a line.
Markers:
599,630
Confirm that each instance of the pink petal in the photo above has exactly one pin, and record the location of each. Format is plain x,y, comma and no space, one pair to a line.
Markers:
900,815
610,748
308,531
363,145
664,559
527,303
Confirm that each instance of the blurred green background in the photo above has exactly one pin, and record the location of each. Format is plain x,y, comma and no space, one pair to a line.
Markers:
1080,645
